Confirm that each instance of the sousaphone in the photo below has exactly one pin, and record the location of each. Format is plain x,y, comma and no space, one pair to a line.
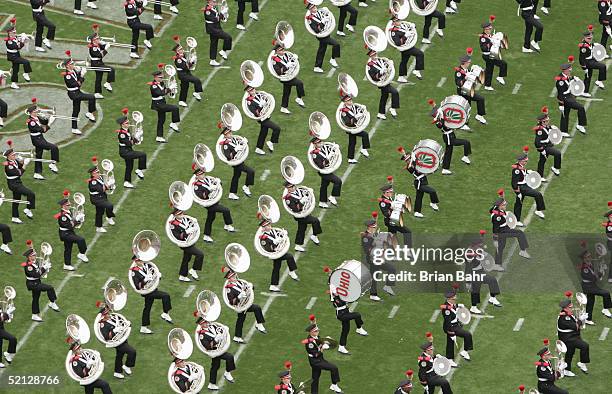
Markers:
251,73
376,40
231,118
268,210
146,245
238,260
429,8
292,171
79,332
180,346
115,297
347,85
399,8
319,125
253,76
203,157
180,196
209,309
284,35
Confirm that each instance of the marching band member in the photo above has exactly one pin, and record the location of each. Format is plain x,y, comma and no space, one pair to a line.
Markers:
588,63
3,109
474,268
528,13
485,46
14,168
544,146
384,203
5,335
546,375
349,118
159,90
608,226
421,185
428,18
97,51
256,106
314,348
99,198
317,24
127,153
376,72
179,231
183,70
522,190
453,328
460,78
567,101
37,128
450,140
405,386
33,274
398,35
321,162
133,9
183,375
38,14
427,375
139,278
157,11
589,280
293,200
73,79
208,336
81,367
280,66
107,328
344,315
202,190
77,6
501,231
344,10
213,19
285,386
235,291
13,45
605,17
568,330
240,14
268,243
7,238
67,234
367,244
229,151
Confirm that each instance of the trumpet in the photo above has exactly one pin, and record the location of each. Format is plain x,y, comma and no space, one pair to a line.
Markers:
111,41
47,113
3,200
83,64
22,156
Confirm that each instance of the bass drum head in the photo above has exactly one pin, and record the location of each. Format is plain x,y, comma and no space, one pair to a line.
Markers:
534,180
555,136
426,156
511,220
577,87
455,111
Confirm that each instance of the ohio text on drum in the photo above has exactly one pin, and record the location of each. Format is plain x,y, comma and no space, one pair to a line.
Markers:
503,228
522,189
450,139
68,219
589,64
370,239
421,185
34,272
544,145
528,13
453,327
385,203
314,349
567,100
463,76
478,265
133,9
491,45
428,376
589,278
213,16
321,23
403,36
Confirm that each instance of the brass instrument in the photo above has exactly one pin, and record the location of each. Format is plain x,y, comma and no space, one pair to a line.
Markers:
204,159
559,362
324,16
11,200
77,210
253,76
181,197
285,36
181,347
580,310
115,296
347,86
319,125
231,118
223,9
112,41
268,210
146,246
292,171
169,80
81,66
136,130
238,260
108,175
48,113
79,332
209,309
427,9
192,55
43,261
376,40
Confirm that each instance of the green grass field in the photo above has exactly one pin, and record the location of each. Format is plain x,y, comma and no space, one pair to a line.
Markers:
502,358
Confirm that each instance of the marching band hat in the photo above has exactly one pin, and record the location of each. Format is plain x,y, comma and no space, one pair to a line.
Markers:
587,34
92,37
543,351
311,327
608,214
405,382
92,169
228,273
177,47
346,97
426,345
32,108
284,374
29,252
198,171
499,202
370,222
486,25
450,293
63,202
565,303
315,140
524,155
465,59
122,120
7,152
10,28
277,46
371,52
386,187
67,62
288,184
542,117
157,73
566,66
176,210
74,344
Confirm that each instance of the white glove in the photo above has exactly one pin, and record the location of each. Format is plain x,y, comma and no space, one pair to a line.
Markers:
194,59
325,346
26,161
83,71
218,338
144,3
583,316
461,305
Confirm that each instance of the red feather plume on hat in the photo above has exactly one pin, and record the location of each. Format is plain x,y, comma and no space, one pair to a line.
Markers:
98,304
125,111
224,269
95,26
29,242
176,38
195,313
455,286
525,149
546,341
409,373
94,160
428,334
390,178
401,149
583,244
491,18
570,58
568,294
326,269
66,193
34,100
522,387
13,20
288,364
609,203
375,214
219,125
469,50
483,232
544,110
312,318
500,192
431,102
160,65
68,53
274,42
9,143
590,28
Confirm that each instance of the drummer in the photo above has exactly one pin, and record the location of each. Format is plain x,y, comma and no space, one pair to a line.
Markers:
393,226
427,374
520,185
421,185
450,140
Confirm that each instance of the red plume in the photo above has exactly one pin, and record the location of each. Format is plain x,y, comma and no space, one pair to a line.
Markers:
176,38
570,59
525,149
95,26
455,286
390,178
274,42
34,100
469,50
68,53
94,159
160,65
125,111
522,387
29,242
401,149
326,269
500,192
544,110
590,28
409,373
13,20
492,18
483,232
195,313
193,166
66,193
224,269
9,143
69,340
311,318
98,304
428,334
219,125
609,203
375,214
568,294
546,341
288,364
431,102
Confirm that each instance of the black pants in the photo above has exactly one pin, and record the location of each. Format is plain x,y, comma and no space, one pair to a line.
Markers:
129,158
16,63
420,192
12,347
102,206
405,231
480,102
490,65
441,22
529,192
198,261
568,104
136,25
98,384
448,152
299,86
501,242
70,238
323,43
42,22
591,290
591,66
488,280
420,60
6,233
276,265
157,10
264,126
77,96
388,268
3,109
186,79
41,145
385,91
572,345
238,170
347,9
19,190
438,381
230,365
301,229
242,7
550,388
110,77
530,23
365,142
604,34
549,151
326,179
345,318
215,36
450,344
259,318
161,109
318,365
148,304
124,350
212,213
37,287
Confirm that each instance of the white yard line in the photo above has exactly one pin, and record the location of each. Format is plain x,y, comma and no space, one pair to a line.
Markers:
434,316
189,290
517,87
311,303
273,295
393,311
553,92
441,82
107,282
604,333
264,175
519,324
331,72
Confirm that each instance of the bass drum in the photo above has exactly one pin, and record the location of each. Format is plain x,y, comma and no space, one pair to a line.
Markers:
455,111
412,37
350,280
426,156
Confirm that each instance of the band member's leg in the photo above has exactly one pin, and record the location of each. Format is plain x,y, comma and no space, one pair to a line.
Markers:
214,367
433,195
161,119
184,90
125,349
518,207
315,223
239,324
346,326
569,355
301,231
290,261
6,234
263,134
337,188
275,130
146,311
587,79
39,154
450,347
480,104
351,145
503,67
335,47
418,203
3,109
214,45
227,41
235,178
441,19
129,167
316,374
35,298
320,56
382,103
99,215
255,6
286,94
198,257
12,347
448,155
542,162
76,110
184,269
584,351
67,250
539,198
342,17
493,284
259,317
528,31
403,67
475,293
276,266
427,26
353,11
157,8
240,13
439,381
590,304
39,33
327,366
210,218
98,83
230,364
564,123
49,290
135,38
322,190
395,98
250,175
50,27
489,66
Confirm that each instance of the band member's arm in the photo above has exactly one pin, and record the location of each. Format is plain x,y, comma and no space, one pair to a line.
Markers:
447,326
517,176
423,368
34,127
31,271
485,44
138,278
278,66
293,202
232,294
211,15
312,348
178,231
459,77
